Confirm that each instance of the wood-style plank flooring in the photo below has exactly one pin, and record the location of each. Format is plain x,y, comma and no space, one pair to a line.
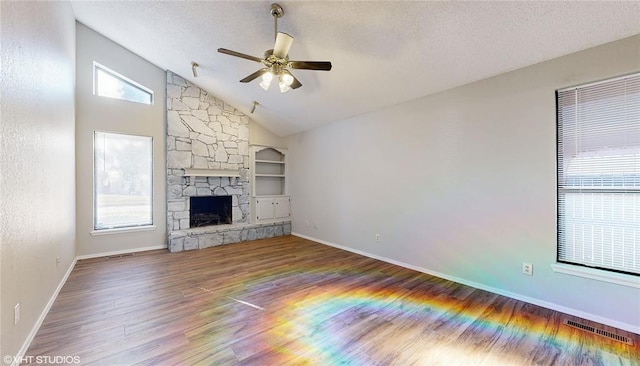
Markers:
290,301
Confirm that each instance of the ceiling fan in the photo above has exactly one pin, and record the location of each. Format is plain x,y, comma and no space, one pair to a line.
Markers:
276,60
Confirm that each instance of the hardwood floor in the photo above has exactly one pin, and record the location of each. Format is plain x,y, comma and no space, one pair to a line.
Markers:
290,301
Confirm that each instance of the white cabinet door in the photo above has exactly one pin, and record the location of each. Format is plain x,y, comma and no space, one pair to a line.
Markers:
282,207
270,209
264,208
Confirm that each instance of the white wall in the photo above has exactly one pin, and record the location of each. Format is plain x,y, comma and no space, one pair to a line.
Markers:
111,115
259,135
37,166
461,183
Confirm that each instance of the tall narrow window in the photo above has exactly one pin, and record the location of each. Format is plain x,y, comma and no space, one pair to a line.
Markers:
599,175
110,84
122,181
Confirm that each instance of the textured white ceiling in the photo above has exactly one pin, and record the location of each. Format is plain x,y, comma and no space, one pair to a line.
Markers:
383,52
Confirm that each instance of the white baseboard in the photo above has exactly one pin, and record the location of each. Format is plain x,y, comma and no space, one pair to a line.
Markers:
538,302
45,311
25,346
119,252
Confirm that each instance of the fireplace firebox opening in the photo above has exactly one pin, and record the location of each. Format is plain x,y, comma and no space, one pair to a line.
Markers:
210,210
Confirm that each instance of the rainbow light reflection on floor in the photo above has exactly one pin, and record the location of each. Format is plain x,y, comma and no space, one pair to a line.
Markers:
335,316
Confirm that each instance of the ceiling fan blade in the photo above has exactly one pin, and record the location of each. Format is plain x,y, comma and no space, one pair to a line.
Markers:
311,65
238,54
283,43
296,83
254,76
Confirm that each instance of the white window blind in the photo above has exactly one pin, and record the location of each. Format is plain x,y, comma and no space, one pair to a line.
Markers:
599,174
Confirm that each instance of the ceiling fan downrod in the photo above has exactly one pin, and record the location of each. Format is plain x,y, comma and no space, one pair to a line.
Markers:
276,12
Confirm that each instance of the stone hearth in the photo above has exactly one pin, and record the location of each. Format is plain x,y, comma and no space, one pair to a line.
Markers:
208,236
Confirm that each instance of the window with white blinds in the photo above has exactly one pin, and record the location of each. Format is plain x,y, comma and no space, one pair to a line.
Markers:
599,174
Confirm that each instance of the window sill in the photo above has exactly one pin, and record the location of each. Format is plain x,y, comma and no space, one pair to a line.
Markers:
597,274
123,230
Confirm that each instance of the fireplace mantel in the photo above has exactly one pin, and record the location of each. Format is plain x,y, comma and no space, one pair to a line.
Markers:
192,172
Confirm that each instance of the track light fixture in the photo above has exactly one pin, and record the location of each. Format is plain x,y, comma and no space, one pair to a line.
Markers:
194,68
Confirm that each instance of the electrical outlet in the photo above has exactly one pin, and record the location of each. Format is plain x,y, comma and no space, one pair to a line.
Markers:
378,239
57,261
527,268
16,314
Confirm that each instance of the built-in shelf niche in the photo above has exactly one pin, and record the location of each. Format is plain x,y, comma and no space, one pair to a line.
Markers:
269,171
265,168
269,201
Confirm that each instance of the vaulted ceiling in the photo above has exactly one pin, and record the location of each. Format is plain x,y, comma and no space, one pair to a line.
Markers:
383,52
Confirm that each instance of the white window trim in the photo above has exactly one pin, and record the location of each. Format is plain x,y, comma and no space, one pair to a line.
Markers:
123,230
597,274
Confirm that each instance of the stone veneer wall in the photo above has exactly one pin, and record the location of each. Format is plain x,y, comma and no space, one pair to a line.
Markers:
206,133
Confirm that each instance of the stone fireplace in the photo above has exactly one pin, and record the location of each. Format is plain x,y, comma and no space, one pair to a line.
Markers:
208,157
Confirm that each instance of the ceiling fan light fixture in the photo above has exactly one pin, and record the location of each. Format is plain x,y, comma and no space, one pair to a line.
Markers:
284,87
286,78
266,80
